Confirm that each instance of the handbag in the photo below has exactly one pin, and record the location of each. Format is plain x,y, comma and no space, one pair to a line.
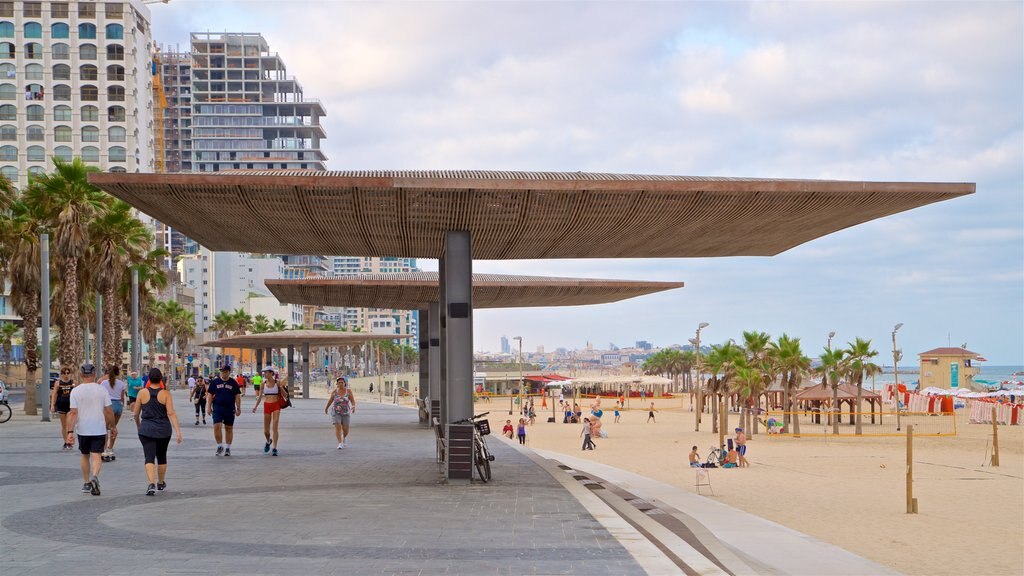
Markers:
286,401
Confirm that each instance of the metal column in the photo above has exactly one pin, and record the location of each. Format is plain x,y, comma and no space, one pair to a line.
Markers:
434,363
291,367
458,295
99,334
421,320
442,390
259,361
136,355
44,293
305,369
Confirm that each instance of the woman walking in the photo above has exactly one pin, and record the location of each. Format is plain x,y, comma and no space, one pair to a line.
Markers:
272,394
60,403
342,405
155,417
521,431
117,390
198,397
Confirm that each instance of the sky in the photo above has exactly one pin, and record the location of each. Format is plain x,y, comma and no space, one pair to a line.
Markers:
886,91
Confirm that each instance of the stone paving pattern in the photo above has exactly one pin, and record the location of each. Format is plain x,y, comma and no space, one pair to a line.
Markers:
377,507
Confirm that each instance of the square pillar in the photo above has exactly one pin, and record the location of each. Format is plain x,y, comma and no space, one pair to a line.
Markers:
424,341
291,367
442,389
305,369
457,276
434,363
259,360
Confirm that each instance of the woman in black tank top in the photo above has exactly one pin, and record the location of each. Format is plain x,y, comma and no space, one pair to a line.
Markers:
155,417
60,402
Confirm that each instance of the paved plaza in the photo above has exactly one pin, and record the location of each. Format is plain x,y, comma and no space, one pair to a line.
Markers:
377,507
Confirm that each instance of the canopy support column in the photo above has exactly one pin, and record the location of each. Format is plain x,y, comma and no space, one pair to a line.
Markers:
434,361
424,386
458,295
259,360
442,306
305,369
291,367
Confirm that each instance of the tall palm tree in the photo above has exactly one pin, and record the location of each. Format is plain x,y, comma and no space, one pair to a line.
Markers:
722,362
748,384
22,268
8,331
70,204
152,280
150,311
832,365
241,323
169,325
792,364
260,324
118,240
860,354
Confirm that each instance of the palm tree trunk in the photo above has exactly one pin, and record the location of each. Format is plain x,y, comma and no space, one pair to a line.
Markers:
111,337
796,414
714,413
860,388
786,408
835,407
70,336
31,321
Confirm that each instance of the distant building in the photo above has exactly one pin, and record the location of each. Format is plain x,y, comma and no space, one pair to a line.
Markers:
643,345
948,368
505,347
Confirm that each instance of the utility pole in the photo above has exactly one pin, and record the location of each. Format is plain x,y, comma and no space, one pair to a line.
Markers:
896,373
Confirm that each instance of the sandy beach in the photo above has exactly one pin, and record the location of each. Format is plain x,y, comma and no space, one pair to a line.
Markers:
847,491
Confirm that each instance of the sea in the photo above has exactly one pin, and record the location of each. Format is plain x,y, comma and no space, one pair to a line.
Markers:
991,373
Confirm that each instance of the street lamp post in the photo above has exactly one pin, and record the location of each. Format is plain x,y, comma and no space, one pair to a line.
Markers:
44,293
896,373
521,381
700,387
828,381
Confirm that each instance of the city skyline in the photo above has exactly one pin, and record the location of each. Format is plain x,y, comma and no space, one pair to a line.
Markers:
855,91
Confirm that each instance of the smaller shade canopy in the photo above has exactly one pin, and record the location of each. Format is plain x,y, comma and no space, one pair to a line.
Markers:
621,380
296,337
845,392
415,290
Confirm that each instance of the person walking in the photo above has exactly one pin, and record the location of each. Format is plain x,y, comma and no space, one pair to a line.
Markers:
650,414
240,378
198,397
257,382
521,431
272,394
60,403
92,415
342,404
135,383
117,389
155,417
741,448
616,412
588,442
224,401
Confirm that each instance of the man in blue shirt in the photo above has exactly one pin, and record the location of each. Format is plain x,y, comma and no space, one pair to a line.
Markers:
224,398
135,383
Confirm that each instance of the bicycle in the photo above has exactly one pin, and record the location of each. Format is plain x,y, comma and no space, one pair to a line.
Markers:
5,409
481,457
716,458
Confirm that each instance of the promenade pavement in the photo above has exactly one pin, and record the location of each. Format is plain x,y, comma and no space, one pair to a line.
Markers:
376,507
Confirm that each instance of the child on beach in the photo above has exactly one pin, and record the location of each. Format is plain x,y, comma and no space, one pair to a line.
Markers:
731,458
588,442
650,414
616,412
522,431
507,430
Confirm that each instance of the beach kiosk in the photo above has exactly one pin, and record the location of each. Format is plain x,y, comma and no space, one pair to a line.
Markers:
950,368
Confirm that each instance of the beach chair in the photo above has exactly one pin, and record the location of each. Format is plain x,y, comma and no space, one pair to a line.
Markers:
702,477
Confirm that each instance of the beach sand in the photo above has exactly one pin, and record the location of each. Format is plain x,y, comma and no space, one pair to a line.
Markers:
848,491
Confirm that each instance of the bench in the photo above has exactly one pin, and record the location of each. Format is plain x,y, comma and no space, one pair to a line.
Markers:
421,404
442,442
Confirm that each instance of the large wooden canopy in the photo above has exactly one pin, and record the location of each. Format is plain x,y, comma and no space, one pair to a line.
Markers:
415,290
315,338
511,215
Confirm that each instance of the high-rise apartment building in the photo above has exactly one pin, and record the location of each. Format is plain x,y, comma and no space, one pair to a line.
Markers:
378,320
75,80
247,112
505,347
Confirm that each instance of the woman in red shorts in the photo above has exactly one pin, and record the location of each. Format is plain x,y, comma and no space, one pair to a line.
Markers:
272,394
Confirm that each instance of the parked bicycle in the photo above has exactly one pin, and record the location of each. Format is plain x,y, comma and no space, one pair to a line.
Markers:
5,409
716,458
481,457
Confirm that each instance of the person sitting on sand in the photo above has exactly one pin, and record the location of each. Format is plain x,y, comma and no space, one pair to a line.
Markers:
508,431
694,458
595,427
731,459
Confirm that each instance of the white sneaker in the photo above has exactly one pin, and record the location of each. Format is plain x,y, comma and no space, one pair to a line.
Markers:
344,443
340,446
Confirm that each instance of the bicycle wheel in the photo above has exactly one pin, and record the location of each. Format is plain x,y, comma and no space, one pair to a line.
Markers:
713,457
5,413
483,467
487,459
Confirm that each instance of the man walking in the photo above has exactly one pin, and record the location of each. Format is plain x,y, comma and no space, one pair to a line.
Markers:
92,412
224,399
135,383
588,442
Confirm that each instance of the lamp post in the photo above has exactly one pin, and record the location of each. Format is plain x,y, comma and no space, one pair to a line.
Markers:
828,381
700,388
44,293
521,381
831,335
896,373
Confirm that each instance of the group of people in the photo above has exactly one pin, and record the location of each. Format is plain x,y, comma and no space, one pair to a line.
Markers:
735,456
93,410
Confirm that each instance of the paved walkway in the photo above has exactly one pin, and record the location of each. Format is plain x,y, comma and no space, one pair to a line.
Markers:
377,507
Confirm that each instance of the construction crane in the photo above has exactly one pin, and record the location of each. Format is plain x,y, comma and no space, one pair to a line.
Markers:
160,101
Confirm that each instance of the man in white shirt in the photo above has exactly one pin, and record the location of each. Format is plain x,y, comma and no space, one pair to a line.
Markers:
191,384
92,413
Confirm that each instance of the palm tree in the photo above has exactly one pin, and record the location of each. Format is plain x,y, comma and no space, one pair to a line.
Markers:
22,260
70,204
118,240
792,364
169,324
7,333
748,385
152,280
241,323
832,366
722,362
260,324
149,324
860,355
278,325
